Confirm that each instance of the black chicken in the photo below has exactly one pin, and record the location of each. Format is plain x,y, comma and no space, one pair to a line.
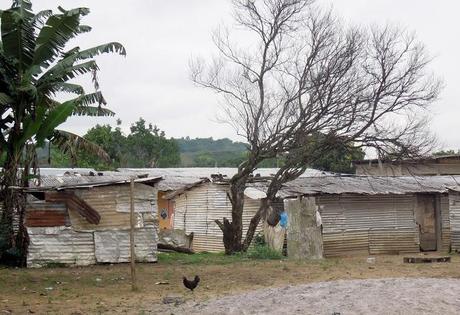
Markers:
191,285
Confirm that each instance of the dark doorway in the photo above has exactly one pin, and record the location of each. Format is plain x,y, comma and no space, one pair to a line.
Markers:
426,219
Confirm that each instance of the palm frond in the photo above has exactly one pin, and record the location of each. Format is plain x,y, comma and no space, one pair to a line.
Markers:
80,11
89,99
54,76
55,34
84,29
69,88
40,17
5,99
76,54
54,117
18,33
71,143
93,111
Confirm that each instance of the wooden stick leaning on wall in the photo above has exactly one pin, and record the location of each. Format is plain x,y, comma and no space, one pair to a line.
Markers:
131,239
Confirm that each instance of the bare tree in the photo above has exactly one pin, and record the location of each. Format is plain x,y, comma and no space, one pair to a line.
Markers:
305,74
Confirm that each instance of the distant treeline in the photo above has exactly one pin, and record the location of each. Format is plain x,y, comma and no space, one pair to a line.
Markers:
147,146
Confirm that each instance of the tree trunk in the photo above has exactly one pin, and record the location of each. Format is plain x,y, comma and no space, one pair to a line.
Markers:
233,231
10,170
13,247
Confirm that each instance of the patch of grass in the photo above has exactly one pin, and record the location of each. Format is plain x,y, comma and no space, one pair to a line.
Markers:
264,252
200,258
327,264
257,252
53,264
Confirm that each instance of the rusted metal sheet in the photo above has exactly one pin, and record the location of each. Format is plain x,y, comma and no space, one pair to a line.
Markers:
363,223
196,211
109,202
43,214
59,245
40,218
75,203
113,246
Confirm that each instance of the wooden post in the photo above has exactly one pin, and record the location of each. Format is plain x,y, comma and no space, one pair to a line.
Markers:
131,238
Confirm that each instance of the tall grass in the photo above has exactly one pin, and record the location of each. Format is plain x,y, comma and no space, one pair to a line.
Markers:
256,252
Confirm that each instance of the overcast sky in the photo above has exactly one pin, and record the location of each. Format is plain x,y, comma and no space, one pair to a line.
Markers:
160,36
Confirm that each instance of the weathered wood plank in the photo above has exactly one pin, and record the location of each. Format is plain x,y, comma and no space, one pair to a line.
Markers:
424,260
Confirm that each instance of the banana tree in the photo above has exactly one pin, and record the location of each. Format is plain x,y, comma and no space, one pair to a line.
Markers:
36,68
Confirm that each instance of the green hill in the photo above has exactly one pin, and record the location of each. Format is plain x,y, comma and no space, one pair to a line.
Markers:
207,152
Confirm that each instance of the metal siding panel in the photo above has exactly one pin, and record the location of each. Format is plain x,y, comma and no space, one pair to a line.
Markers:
345,243
361,223
454,202
197,209
113,246
105,200
394,241
43,214
445,223
59,245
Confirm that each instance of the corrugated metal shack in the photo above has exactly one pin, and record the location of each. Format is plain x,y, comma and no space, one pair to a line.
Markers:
83,220
175,179
379,215
198,204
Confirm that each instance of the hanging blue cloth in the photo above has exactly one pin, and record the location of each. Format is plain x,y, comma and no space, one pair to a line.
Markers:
284,219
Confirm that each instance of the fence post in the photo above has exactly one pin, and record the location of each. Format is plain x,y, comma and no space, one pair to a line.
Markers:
131,239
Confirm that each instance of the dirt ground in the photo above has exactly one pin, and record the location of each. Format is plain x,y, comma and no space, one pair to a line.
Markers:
106,288
376,296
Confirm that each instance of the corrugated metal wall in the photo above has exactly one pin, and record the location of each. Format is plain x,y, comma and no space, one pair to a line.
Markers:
113,246
445,222
46,214
59,245
372,224
112,203
454,203
83,243
196,210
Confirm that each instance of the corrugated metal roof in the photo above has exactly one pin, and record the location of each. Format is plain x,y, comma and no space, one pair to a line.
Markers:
53,182
61,171
177,178
433,158
369,185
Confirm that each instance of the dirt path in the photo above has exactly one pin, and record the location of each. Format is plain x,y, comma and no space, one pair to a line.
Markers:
106,289
382,296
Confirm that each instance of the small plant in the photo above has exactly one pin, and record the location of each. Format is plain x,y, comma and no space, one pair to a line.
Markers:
259,239
263,252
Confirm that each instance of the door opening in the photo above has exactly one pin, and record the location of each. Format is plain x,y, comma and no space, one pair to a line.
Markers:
426,218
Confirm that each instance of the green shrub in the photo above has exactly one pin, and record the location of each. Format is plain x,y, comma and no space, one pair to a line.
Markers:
259,239
263,252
